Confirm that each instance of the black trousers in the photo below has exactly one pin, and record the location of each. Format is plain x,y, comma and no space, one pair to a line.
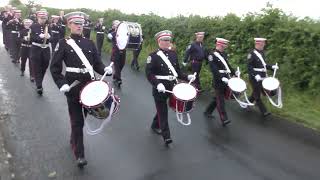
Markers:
77,123
135,54
218,101
100,38
5,37
14,46
25,55
160,120
196,67
40,58
119,59
256,95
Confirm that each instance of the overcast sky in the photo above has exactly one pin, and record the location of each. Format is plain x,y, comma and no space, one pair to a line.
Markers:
168,8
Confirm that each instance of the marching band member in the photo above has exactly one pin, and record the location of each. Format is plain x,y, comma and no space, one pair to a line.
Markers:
40,49
79,71
257,69
25,48
221,72
196,52
87,27
14,26
8,15
62,24
162,69
118,56
100,28
56,30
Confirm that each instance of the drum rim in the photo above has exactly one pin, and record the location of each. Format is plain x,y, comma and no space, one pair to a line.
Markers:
117,35
182,99
273,79
237,79
94,106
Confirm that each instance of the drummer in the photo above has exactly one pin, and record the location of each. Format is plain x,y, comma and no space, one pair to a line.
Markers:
257,69
221,72
78,73
162,69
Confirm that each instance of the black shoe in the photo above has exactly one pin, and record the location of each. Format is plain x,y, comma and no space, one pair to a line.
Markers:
22,73
266,114
167,141
32,79
40,91
156,130
81,162
138,68
208,115
225,122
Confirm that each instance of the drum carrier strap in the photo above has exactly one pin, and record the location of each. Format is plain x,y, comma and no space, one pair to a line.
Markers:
168,63
262,61
82,57
223,62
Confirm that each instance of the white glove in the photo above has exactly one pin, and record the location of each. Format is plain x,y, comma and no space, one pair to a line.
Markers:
103,27
225,80
108,69
237,73
184,64
274,67
48,36
110,36
65,88
41,35
26,38
258,77
161,88
191,77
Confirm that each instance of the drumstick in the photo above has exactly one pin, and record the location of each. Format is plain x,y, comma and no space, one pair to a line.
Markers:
168,91
195,73
274,72
238,69
105,73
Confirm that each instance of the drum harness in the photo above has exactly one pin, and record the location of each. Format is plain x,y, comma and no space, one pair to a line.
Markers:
89,69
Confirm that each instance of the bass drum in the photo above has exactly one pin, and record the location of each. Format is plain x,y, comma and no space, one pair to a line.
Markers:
129,35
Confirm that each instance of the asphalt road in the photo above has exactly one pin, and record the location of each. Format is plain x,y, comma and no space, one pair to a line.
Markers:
251,148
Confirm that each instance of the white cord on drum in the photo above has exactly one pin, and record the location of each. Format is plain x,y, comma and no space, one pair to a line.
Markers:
279,104
180,117
243,104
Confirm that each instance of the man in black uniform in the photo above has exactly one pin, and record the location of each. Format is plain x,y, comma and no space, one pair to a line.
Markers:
33,14
25,48
76,71
118,56
135,54
7,16
162,70
56,31
40,49
257,69
87,27
221,72
100,28
196,52
14,26
62,25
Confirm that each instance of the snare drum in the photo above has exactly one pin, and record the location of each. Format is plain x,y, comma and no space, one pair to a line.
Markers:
270,85
129,35
96,97
237,85
182,99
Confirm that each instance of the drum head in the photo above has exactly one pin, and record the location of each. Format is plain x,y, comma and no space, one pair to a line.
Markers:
270,83
122,36
184,91
94,93
237,85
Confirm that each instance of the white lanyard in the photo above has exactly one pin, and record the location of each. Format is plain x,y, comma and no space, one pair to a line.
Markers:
223,61
167,61
82,57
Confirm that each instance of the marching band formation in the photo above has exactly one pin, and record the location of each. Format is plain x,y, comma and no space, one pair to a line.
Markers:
75,59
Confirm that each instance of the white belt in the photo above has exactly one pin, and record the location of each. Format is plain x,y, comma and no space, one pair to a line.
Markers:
55,31
77,70
63,25
17,32
260,69
86,27
40,45
100,32
223,71
26,45
169,78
